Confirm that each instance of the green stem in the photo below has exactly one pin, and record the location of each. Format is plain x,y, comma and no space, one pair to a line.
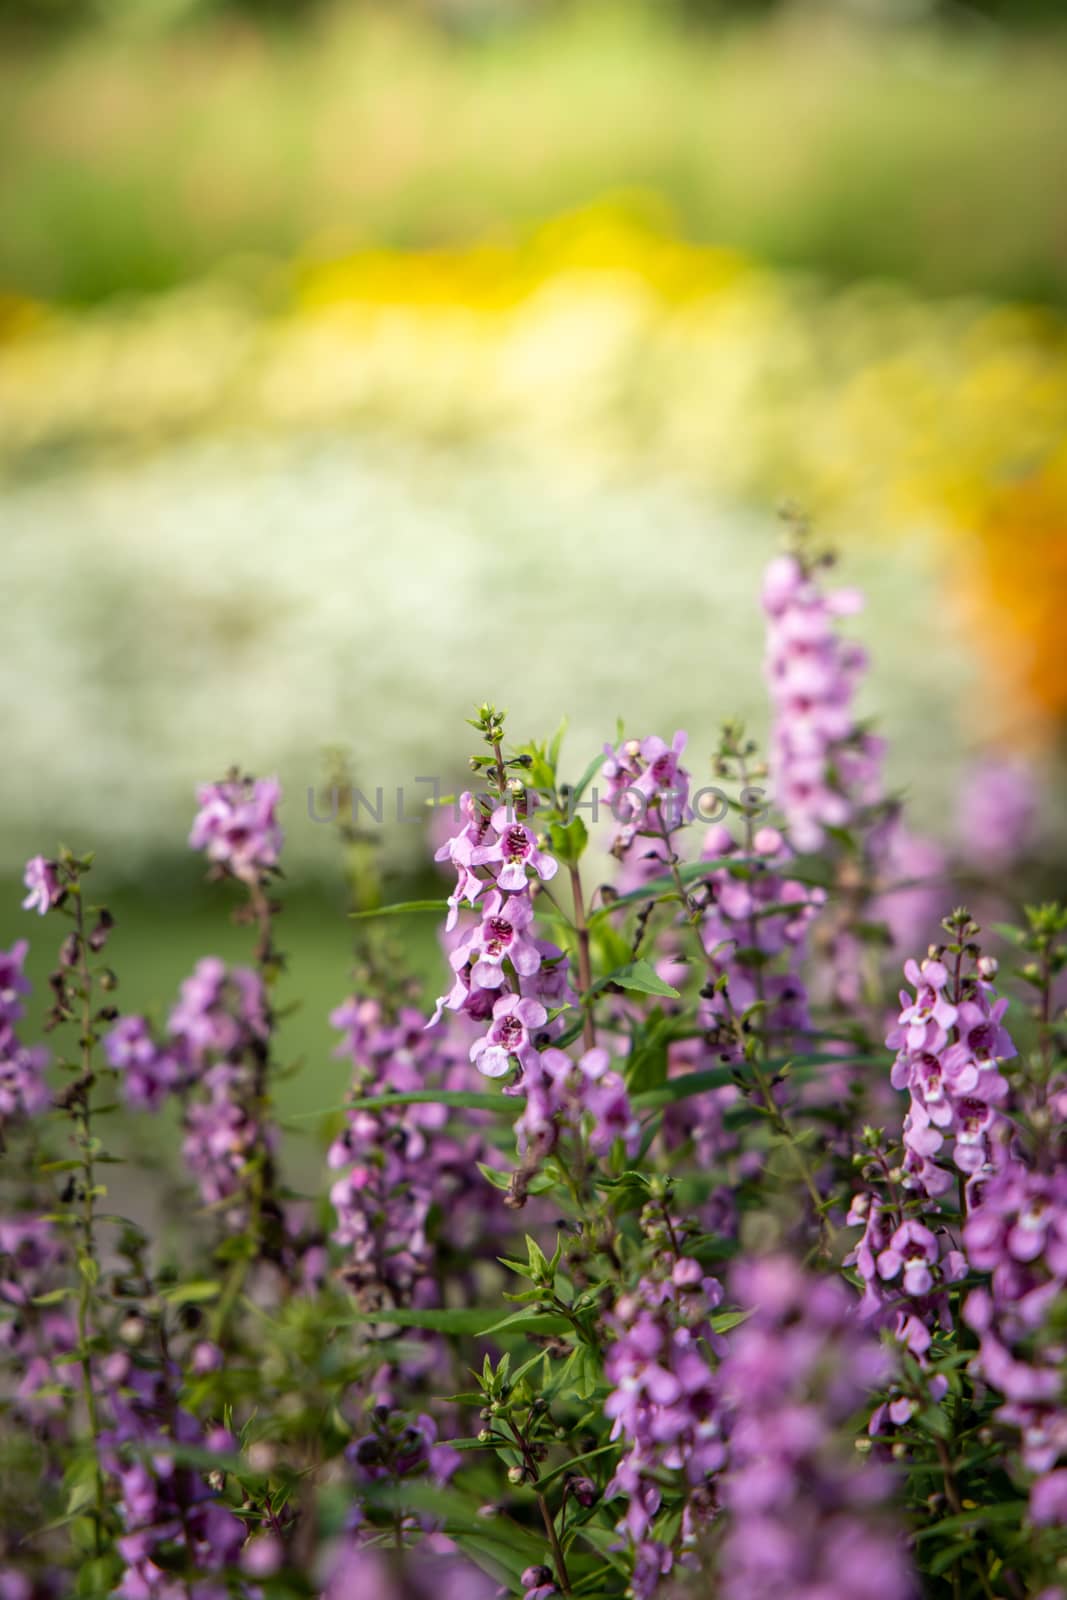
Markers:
83,1111
585,967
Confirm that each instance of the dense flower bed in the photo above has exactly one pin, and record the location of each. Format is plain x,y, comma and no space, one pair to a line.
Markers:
667,1253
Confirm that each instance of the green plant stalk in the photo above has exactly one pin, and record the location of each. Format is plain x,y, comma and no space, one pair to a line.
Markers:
87,1223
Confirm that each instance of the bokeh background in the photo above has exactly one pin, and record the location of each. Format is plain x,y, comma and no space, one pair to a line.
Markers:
359,361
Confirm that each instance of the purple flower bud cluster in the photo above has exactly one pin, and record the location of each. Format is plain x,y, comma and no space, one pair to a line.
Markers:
537,1584
504,975
399,1165
237,827
949,1038
585,1096
648,795
664,1401
23,1091
214,1038
165,1506
907,1269
1017,1233
804,1517
824,766
401,1446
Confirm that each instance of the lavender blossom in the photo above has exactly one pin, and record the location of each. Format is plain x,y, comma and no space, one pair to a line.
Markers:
664,1402
824,766
42,880
949,1038
236,826
803,1516
1016,1232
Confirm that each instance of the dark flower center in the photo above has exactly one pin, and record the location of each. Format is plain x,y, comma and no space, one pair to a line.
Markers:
982,1039
509,1031
516,845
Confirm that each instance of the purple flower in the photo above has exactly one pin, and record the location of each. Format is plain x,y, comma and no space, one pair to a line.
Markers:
949,1046
160,1502
803,1514
149,1073
584,1095
514,850
42,880
823,764
647,789
997,812
221,1012
664,1401
1016,1232
508,1039
23,1090
13,982
927,1018
459,851
237,827
1048,1500
397,1167
502,935
538,1584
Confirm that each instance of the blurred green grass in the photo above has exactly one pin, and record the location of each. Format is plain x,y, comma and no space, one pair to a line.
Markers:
136,161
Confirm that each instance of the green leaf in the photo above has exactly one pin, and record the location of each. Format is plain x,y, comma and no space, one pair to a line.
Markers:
402,908
725,1320
475,1321
530,1322
460,1099
665,887
578,789
641,976
539,1184
683,1088
568,840
191,1294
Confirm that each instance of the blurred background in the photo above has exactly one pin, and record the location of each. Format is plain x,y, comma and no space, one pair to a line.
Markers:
359,361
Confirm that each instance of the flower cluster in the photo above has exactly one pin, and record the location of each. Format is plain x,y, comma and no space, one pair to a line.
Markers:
236,826
907,1269
824,766
210,1055
23,1091
803,1516
398,1166
1017,1233
375,1390
168,1510
34,1336
504,975
585,1096
949,1039
664,1402
648,796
